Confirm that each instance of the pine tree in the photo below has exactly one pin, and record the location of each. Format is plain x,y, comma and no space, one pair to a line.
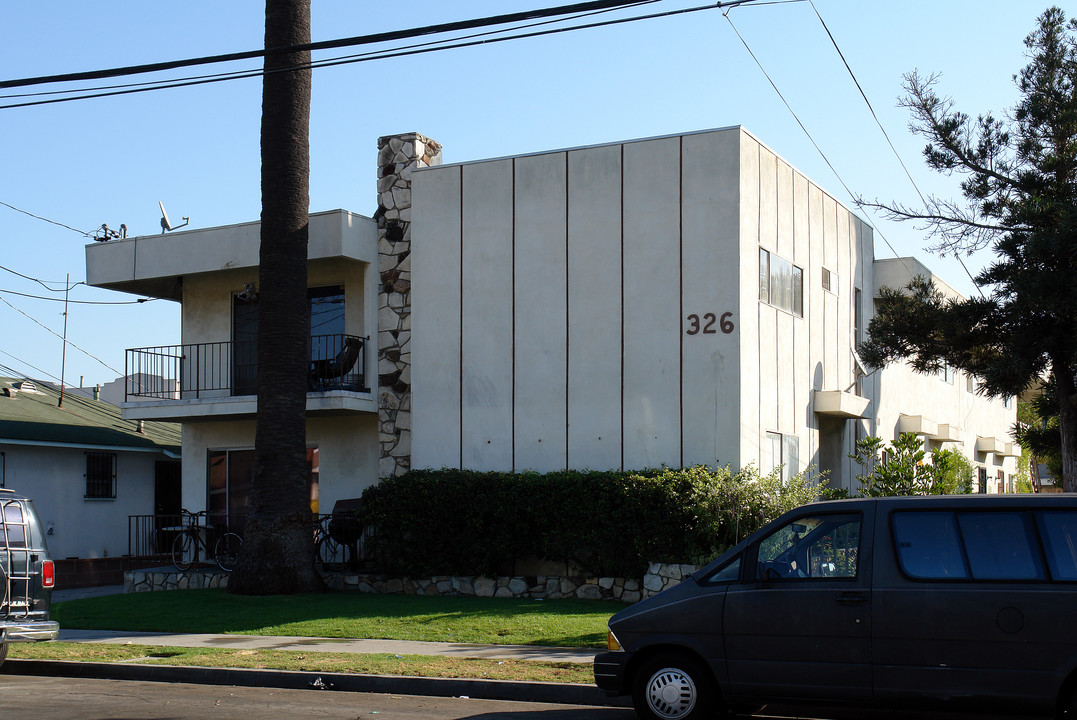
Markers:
1020,190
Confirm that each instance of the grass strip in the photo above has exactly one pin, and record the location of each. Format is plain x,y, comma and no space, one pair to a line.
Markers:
495,621
370,664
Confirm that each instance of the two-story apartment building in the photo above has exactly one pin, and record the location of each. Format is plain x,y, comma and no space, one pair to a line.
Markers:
670,301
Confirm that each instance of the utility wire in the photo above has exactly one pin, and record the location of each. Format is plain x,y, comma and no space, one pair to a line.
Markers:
43,283
46,327
24,212
329,44
805,129
79,302
377,55
885,135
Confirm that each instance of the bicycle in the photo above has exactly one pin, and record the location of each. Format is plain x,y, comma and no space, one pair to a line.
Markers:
193,536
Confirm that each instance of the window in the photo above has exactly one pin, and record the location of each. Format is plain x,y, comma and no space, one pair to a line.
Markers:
1007,402
928,546
939,545
781,283
730,572
100,475
981,476
948,374
1059,532
970,383
228,479
825,546
782,451
326,332
830,281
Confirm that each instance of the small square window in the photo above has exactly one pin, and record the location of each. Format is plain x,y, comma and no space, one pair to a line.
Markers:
830,281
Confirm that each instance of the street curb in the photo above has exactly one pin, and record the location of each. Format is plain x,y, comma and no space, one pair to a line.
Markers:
558,693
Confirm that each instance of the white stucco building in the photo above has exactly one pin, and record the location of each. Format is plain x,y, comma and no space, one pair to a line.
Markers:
671,301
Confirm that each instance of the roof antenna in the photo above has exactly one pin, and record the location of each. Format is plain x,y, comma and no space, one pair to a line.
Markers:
166,224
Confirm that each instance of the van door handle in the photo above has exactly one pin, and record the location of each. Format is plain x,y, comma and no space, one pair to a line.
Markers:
851,598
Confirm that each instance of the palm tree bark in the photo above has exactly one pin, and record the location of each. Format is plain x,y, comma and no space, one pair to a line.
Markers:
278,552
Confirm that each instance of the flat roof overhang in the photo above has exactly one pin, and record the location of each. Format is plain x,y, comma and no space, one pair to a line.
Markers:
154,265
244,407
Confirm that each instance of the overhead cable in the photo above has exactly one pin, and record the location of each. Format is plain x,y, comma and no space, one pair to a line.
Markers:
328,44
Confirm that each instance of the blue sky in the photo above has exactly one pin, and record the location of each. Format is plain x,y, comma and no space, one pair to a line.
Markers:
110,160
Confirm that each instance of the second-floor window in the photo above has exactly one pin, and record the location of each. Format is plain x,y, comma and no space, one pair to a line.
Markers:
781,283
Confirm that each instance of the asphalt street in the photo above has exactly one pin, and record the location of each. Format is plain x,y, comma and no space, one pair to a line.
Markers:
59,698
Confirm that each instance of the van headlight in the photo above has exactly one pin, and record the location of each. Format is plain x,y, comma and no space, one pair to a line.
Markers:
612,644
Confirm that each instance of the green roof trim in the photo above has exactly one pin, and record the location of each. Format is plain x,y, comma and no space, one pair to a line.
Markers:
35,416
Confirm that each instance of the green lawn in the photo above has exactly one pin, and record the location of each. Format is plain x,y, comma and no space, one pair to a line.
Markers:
501,621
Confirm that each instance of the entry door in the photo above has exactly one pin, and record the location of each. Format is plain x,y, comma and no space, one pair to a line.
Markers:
800,627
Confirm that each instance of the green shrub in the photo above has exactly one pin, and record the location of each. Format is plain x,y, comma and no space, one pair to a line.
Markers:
460,522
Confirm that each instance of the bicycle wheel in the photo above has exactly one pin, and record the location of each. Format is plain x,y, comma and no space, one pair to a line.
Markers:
183,550
227,550
330,554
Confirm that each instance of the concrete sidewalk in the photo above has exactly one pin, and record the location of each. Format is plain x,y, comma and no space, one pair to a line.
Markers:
341,645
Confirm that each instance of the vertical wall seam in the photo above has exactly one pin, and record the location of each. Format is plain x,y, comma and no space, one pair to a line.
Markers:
460,369
512,403
680,293
568,315
621,198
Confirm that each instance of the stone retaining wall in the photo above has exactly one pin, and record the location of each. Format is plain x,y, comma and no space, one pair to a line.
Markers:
659,577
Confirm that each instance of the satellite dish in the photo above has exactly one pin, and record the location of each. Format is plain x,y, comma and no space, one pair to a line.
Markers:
166,224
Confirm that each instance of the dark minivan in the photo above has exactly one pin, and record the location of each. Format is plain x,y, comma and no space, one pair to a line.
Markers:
27,574
951,602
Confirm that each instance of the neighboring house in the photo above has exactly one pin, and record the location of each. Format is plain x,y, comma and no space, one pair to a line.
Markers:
671,301
118,391
85,467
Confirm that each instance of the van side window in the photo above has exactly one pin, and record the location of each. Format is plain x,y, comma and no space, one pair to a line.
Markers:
824,546
939,545
1000,545
1059,532
730,572
927,545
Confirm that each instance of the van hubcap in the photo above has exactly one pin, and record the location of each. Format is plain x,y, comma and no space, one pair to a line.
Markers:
671,693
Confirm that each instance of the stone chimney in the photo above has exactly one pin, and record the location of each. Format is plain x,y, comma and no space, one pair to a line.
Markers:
398,156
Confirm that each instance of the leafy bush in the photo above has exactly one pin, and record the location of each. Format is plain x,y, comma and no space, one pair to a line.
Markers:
901,469
460,522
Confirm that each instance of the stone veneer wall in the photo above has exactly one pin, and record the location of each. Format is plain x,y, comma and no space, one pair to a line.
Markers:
659,577
398,156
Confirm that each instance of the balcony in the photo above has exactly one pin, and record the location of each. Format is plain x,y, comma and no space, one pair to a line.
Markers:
203,380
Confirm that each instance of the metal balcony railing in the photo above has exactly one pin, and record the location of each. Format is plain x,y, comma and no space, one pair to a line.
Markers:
228,369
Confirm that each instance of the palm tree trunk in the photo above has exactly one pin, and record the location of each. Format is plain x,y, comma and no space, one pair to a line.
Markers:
278,552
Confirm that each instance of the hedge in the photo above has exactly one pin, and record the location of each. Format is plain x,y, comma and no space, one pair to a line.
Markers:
461,522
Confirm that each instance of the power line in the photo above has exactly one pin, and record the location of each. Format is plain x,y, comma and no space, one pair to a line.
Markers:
38,217
329,44
79,302
46,327
818,149
377,55
885,135
42,283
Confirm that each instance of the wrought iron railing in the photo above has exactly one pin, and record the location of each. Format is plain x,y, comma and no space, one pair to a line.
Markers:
227,369
150,537
340,544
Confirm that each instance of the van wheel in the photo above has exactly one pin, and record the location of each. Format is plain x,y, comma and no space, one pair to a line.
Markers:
673,687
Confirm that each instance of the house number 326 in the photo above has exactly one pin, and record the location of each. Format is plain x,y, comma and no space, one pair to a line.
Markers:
705,324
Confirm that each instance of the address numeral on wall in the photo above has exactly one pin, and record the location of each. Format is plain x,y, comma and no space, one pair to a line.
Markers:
705,324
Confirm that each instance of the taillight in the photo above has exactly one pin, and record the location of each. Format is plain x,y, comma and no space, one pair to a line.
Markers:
48,574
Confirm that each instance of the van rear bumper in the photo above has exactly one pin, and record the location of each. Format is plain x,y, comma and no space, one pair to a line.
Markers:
29,631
